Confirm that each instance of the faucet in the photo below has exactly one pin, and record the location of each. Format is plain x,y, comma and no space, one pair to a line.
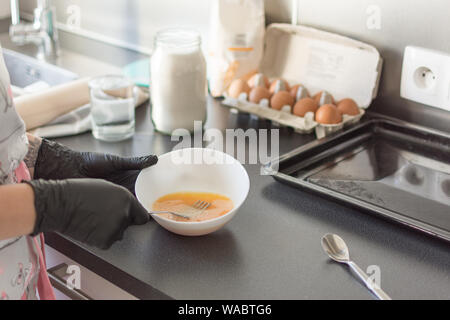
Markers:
42,31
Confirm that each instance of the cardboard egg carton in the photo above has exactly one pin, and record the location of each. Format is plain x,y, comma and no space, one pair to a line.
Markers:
320,61
284,117
300,124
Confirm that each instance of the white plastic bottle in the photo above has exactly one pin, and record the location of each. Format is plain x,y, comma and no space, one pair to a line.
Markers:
177,80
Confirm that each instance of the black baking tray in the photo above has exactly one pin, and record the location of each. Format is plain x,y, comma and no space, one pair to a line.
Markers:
394,169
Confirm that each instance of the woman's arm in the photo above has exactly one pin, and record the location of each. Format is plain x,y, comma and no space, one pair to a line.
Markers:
92,211
17,211
34,143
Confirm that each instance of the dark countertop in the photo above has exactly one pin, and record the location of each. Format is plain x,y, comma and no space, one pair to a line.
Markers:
270,250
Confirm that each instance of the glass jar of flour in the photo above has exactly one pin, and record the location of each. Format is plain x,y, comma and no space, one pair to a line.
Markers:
177,80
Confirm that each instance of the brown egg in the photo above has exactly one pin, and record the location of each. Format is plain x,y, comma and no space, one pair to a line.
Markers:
348,106
259,93
258,80
237,87
299,95
328,114
304,106
279,85
324,97
294,89
281,99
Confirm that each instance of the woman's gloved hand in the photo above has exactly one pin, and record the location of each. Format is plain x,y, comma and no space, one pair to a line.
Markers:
55,161
93,211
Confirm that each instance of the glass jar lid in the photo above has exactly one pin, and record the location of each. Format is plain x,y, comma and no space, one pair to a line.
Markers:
177,38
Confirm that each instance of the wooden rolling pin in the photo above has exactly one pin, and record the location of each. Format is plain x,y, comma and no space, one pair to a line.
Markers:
38,109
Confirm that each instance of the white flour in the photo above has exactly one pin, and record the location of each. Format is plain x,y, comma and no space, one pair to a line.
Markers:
178,87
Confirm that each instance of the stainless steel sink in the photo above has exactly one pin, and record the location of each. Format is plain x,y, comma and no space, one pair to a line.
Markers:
25,70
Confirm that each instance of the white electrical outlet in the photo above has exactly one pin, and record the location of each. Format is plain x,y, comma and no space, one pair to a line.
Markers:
426,77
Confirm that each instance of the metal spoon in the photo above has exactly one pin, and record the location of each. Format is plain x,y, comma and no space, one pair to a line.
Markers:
337,250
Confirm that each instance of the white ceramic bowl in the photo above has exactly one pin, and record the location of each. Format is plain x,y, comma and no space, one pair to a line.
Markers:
194,170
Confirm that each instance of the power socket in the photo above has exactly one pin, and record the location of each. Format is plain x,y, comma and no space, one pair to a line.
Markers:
426,77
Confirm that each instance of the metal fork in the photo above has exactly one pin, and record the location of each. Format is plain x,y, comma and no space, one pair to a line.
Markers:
197,208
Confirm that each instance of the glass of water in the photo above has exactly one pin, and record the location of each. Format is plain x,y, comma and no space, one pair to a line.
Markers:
113,100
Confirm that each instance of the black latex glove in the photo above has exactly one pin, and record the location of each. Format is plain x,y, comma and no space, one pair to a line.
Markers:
55,161
93,211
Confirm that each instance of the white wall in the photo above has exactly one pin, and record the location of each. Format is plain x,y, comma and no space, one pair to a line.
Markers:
4,9
423,23
403,22
133,21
